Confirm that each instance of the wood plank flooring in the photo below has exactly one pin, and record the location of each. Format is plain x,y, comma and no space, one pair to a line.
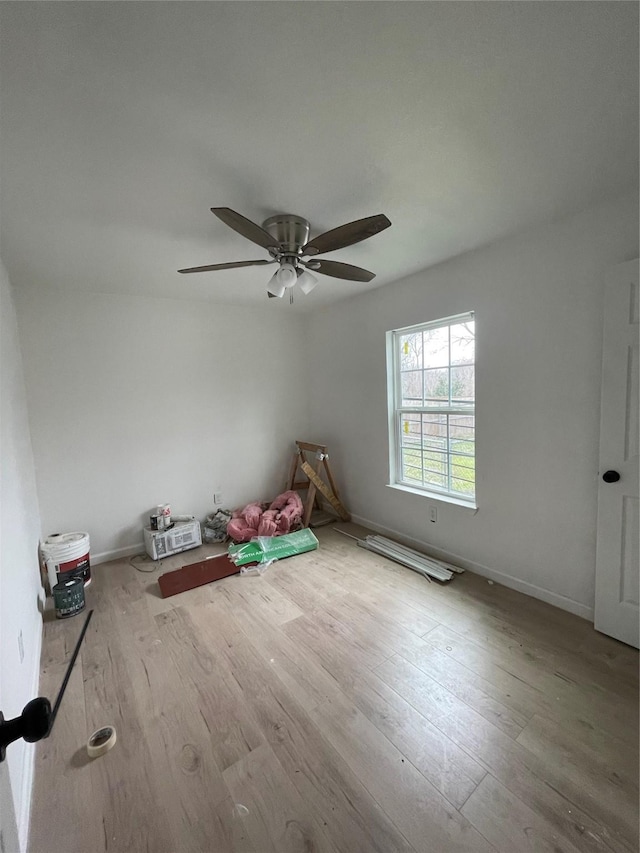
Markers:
339,702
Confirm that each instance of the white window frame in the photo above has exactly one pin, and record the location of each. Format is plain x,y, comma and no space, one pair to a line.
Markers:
396,410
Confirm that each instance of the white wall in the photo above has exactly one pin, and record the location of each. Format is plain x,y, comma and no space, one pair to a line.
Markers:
139,401
538,303
20,589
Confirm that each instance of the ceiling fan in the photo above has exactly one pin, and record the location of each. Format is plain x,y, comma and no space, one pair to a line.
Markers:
285,236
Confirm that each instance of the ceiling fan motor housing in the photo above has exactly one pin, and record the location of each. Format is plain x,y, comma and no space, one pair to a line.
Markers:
290,232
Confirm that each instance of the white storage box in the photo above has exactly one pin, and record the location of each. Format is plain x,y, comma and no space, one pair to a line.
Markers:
163,543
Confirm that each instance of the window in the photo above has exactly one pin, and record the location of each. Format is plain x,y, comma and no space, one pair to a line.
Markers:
432,407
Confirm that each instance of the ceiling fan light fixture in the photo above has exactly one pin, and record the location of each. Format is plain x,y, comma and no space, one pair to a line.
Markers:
285,236
287,275
274,287
307,282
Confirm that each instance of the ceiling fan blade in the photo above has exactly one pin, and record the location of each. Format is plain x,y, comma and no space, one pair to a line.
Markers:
245,227
232,265
346,235
340,270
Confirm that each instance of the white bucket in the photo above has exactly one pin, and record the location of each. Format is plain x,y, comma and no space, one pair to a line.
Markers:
67,556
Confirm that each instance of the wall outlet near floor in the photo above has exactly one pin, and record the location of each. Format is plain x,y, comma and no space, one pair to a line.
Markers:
21,646
217,497
433,513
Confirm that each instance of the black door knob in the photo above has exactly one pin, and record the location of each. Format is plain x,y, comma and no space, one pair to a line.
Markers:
611,476
33,724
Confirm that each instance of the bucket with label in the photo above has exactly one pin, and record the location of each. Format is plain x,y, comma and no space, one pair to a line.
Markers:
68,597
67,556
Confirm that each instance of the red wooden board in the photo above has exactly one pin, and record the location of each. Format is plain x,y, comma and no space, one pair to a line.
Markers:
196,574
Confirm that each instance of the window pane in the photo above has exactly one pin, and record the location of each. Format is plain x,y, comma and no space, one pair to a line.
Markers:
412,465
410,431
462,434
435,461
463,474
439,481
434,432
462,459
436,347
410,351
436,386
463,385
435,468
462,426
462,487
411,388
463,339
463,467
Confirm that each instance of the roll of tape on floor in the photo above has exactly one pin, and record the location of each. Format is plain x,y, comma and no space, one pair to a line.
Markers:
101,741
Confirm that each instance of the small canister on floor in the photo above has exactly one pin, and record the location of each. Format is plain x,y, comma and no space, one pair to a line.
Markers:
68,598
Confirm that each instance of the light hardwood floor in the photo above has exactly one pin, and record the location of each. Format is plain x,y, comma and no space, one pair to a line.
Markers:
337,703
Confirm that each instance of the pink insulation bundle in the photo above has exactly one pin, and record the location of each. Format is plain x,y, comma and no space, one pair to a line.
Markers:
283,515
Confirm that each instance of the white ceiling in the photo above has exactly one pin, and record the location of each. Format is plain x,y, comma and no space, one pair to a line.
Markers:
123,123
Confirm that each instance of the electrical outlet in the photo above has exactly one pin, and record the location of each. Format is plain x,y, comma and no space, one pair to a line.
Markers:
21,646
217,498
433,514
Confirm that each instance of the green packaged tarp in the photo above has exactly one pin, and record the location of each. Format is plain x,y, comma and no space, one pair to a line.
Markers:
267,548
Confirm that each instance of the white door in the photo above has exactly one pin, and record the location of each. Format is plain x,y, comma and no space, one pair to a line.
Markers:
618,555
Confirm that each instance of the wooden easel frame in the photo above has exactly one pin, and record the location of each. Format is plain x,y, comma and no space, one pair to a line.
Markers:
314,482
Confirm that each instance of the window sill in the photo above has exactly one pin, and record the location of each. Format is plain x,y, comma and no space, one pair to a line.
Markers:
434,496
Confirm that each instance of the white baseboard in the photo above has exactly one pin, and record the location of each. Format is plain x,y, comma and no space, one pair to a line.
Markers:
29,758
555,598
117,553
